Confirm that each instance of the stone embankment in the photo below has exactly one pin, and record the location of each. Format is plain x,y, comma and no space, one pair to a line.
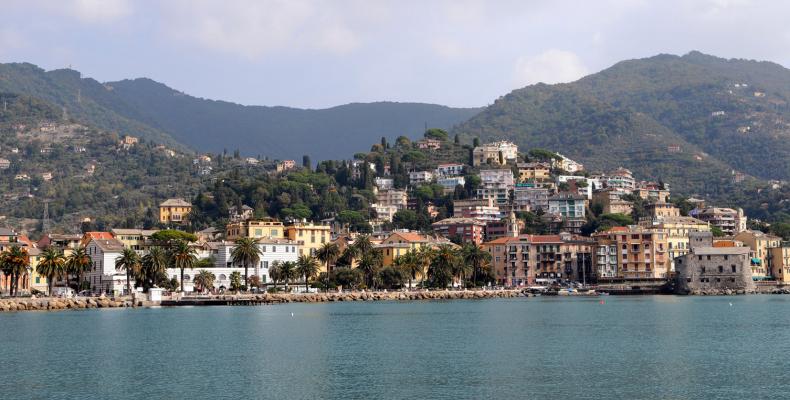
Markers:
387,296
44,304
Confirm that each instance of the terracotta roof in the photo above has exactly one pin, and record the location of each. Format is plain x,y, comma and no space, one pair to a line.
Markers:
545,238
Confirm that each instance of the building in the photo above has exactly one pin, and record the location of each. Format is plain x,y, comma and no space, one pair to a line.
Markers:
496,184
760,243
661,209
611,202
642,253
621,179
285,165
129,140
450,183
570,208
399,243
103,276
482,210
534,171
65,242
138,240
384,183
584,185
272,251
497,153
309,236
730,221
713,269
678,229
417,178
174,211
4,163
429,144
780,263
528,197
235,215
396,198
383,212
259,229
465,230
447,170
530,259
566,164
505,227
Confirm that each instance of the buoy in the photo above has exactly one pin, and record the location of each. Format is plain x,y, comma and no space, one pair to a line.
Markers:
292,314
602,302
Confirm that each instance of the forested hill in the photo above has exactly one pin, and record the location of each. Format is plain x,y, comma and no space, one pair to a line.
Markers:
151,110
284,132
691,120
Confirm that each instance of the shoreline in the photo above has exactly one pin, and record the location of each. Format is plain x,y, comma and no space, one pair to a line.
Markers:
83,303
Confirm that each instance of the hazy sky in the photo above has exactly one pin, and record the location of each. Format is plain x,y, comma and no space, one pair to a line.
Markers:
323,53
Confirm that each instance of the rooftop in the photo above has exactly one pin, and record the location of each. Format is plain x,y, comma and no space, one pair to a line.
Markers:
178,202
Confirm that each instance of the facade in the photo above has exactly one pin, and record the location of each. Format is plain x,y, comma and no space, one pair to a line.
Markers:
467,230
429,144
399,243
138,240
662,209
384,183
506,227
566,164
528,197
780,263
103,276
244,214
708,268
529,172
482,210
5,163
611,202
450,183
760,243
496,184
678,229
641,252
497,153
272,251
568,205
621,179
259,229
310,237
397,198
446,170
417,178
730,221
384,213
174,211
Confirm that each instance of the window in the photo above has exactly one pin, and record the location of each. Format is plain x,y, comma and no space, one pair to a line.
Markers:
703,270
734,268
721,269
708,257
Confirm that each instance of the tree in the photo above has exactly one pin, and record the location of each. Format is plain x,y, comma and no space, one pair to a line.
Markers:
306,161
184,257
235,281
409,263
369,264
307,267
204,280
442,267
328,253
475,256
255,281
77,263
128,261
436,133
246,253
361,246
52,265
154,266
168,237
476,142
716,231
15,262
287,272
391,277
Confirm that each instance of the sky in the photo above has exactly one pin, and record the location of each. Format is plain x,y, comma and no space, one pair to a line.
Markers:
317,54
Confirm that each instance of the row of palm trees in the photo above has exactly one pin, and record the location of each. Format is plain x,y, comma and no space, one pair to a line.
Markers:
53,265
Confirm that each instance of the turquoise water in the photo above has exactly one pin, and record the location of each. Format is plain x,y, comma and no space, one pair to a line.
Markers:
630,347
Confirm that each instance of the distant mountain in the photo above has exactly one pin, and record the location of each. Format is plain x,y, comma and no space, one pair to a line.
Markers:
152,110
692,120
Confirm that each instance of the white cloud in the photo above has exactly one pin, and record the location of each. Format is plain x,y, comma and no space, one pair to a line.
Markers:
99,10
551,66
253,29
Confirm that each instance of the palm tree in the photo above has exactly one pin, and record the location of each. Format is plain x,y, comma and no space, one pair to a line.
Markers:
153,266
128,261
246,253
475,256
204,280
184,258
328,253
424,258
361,246
443,266
410,264
52,265
77,263
15,262
5,268
369,264
287,271
235,281
274,272
307,266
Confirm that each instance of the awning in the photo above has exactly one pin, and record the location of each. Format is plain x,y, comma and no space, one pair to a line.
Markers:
756,260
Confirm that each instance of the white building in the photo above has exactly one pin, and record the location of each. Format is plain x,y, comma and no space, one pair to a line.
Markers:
384,183
103,277
496,153
450,183
397,198
566,164
420,177
272,250
528,197
590,184
446,170
384,212
496,184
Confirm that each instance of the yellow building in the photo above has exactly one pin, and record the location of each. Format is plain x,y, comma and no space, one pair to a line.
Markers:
780,263
263,228
309,236
37,281
641,252
530,172
174,211
760,243
677,229
135,239
400,243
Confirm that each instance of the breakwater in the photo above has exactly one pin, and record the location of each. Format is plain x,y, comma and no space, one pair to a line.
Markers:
53,304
